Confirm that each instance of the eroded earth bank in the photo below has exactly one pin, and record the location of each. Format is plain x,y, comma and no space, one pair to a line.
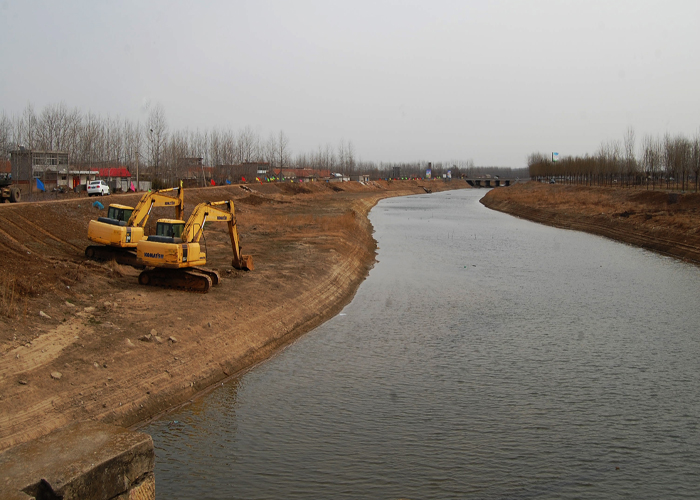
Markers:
663,221
83,341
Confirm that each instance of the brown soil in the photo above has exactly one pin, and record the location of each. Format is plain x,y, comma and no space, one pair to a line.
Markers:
665,222
71,348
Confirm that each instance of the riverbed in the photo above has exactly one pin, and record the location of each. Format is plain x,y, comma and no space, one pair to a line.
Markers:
484,357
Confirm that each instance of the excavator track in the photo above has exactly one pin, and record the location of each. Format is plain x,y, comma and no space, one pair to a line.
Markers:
214,275
181,279
122,256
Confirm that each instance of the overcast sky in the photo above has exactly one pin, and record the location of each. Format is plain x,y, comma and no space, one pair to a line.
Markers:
402,80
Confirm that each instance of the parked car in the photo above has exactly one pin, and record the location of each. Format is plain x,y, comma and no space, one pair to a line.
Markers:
97,188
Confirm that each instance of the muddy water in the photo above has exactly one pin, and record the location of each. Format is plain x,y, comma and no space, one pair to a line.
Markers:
484,357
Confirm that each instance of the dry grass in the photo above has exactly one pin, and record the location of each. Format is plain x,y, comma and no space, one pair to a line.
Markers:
13,303
660,208
116,269
562,197
347,222
8,305
582,199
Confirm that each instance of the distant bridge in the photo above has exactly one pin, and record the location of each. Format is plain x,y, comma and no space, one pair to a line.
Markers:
495,182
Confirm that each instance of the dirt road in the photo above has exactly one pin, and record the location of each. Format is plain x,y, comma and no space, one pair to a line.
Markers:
83,341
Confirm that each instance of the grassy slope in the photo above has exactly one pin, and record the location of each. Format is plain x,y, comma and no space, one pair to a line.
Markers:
664,222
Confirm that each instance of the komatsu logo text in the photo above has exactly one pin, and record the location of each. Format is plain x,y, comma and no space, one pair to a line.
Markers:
153,255
220,217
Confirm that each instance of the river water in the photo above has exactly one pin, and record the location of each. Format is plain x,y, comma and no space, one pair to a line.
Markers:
484,357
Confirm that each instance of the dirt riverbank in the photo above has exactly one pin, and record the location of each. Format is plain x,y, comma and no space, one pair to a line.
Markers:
665,222
83,341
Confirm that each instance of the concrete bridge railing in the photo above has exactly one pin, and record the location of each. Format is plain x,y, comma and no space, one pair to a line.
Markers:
490,182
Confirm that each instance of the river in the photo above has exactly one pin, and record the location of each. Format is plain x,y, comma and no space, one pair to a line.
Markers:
484,357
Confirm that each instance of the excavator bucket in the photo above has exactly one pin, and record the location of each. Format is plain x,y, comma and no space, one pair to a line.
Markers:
245,263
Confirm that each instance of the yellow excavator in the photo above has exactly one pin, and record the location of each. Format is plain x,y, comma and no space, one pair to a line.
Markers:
119,232
174,257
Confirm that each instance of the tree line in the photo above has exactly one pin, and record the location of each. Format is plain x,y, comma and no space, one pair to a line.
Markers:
158,152
671,162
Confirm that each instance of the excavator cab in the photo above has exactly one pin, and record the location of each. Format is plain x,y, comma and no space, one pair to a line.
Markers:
168,231
117,215
119,212
172,228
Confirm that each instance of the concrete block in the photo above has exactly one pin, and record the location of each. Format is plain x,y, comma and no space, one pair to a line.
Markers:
86,460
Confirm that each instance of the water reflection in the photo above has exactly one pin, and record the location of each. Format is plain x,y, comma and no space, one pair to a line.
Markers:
484,357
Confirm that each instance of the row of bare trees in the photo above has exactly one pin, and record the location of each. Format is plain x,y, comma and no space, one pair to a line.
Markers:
92,140
458,169
670,162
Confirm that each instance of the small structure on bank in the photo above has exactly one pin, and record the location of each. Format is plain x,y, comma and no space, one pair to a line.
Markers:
49,167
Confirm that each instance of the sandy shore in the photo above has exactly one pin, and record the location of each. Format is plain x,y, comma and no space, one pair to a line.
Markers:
83,341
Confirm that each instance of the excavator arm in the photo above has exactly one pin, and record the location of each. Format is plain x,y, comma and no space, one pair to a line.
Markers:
217,211
139,216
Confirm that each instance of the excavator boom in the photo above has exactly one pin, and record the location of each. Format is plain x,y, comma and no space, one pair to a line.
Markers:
139,217
217,211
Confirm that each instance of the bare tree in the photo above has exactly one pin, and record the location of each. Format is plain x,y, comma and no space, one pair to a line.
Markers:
342,157
48,127
115,149
667,160
88,150
329,160
175,151
351,157
539,166
282,156
301,160
630,158
651,159
25,131
683,151
133,138
199,146
5,135
157,133
270,151
248,146
609,164
695,158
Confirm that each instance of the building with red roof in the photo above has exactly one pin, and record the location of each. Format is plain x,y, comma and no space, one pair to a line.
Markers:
114,173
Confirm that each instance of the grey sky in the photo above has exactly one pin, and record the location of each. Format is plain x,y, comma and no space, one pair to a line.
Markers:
403,80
